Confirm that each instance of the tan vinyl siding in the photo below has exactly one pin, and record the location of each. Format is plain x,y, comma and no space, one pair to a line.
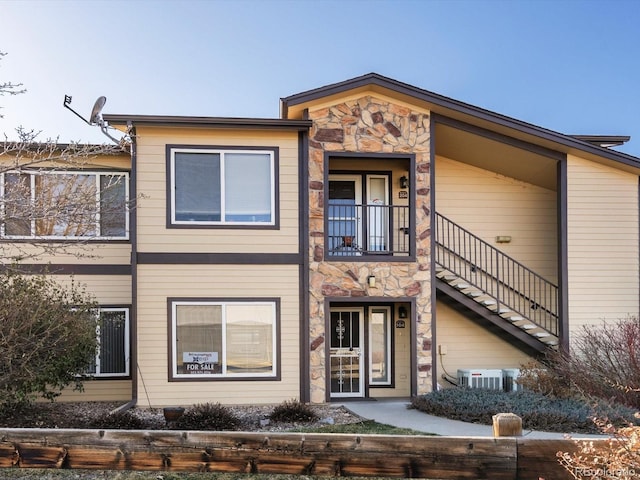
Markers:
469,345
157,283
99,391
106,289
153,236
84,252
603,243
490,205
121,162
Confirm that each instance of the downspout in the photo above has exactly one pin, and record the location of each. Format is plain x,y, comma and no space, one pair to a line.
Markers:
563,256
432,217
303,227
133,314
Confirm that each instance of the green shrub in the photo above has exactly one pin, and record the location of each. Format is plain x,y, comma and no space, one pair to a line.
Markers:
292,411
119,420
207,416
538,412
47,337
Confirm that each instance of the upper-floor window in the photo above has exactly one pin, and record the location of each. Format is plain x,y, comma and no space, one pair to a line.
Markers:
112,355
62,205
222,187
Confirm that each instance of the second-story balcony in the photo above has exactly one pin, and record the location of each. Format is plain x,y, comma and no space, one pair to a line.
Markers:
356,230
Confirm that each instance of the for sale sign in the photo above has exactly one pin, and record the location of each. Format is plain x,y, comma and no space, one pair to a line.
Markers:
200,362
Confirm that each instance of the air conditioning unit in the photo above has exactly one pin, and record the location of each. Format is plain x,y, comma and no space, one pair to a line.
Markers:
510,378
480,378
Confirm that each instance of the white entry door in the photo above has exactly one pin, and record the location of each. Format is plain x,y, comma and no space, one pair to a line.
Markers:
346,352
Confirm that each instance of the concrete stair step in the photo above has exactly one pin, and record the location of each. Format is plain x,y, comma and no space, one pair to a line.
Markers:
473,292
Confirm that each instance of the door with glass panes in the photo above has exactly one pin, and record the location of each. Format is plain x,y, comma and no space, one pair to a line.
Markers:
358,214
351,363
346,352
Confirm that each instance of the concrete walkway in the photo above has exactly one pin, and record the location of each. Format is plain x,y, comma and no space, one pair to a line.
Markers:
396,413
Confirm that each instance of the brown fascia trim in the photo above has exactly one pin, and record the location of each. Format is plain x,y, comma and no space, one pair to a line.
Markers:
217,122
604,141
459,107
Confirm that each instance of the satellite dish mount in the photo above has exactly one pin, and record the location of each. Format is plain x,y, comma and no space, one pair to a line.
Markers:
96,115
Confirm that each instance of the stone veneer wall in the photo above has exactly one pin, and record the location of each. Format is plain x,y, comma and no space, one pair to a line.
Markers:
368,125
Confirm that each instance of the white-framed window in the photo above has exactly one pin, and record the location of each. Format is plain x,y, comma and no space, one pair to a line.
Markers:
222,187
223,339
64,205
112,354
380,346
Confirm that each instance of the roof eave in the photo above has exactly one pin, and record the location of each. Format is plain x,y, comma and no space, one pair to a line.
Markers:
567,141
215,122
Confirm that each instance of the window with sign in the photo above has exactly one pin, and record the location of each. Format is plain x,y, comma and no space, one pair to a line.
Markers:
212,339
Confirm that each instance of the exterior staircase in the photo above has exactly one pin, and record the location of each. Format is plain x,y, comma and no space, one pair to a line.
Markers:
507,295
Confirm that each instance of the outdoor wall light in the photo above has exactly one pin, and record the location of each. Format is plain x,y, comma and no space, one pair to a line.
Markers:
371,281
503,239
402,312
404,182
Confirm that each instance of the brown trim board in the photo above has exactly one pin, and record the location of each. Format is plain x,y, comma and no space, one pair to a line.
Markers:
432,246
563,254
303,242
163,258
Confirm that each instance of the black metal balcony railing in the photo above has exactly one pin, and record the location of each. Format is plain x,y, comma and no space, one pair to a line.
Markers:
486,268
356,229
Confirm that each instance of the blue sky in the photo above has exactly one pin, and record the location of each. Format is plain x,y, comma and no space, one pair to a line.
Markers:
568,65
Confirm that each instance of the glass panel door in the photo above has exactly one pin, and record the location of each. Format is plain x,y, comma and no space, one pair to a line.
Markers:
344,214
380,346
345,354
377,213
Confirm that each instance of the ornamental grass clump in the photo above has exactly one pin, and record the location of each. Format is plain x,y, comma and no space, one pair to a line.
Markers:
293,411
207,416
119,420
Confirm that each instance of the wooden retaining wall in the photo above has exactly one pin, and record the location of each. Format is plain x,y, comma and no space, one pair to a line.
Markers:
285,453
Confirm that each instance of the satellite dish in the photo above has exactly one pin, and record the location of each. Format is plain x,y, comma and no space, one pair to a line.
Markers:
95,117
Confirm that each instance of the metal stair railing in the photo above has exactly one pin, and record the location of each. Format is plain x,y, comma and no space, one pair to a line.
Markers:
484,267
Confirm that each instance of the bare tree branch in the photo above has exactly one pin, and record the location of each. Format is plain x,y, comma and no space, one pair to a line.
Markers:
55,198
10,88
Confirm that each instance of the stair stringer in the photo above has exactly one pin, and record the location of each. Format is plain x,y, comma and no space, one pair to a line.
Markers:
490,320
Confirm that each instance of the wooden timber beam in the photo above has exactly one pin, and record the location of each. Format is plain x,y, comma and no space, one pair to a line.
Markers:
285,453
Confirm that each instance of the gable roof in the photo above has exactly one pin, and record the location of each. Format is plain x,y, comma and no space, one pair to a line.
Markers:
292,106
